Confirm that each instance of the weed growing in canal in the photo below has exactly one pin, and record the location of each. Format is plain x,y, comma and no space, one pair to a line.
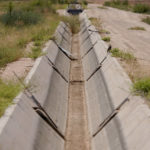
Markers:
73,22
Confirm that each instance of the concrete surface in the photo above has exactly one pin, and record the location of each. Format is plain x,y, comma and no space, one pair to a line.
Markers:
108,87
77,132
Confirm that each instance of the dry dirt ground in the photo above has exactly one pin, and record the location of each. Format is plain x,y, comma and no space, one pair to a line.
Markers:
20,67
118,23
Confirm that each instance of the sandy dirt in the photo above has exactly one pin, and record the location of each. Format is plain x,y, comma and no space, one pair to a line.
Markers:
118,23
20,67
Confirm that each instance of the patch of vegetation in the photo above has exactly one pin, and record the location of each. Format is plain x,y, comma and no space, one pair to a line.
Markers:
14,38
84,2
20,18
97,23
36,52
8,54
137,28
146,20
141,8
116,52
8,91
106,39
60,6
142,87
73,22
118,4
124,5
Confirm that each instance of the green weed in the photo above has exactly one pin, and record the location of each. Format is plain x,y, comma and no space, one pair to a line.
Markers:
106,39
142,87
73,22
8,91
123,55
137,28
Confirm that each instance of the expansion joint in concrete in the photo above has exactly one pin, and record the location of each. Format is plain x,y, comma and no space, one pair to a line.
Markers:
110,117
65,52
55,68
91,48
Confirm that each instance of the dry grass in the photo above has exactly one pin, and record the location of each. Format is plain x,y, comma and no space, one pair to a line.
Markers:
135,70
137,28
98,24
13,40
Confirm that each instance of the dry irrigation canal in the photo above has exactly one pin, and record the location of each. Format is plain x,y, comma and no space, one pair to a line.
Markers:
81,100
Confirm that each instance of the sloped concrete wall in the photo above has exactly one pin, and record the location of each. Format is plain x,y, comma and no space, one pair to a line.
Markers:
105,91
21,127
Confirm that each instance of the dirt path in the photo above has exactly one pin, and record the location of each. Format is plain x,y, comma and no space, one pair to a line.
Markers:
118,23
77,133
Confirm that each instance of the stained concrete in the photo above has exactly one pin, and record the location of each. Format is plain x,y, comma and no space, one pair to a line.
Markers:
77,132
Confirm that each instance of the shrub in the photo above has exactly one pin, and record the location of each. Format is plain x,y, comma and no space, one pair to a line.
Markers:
125,2
19,17
146,20
73,22
141,8
142,87
85,2
107,3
